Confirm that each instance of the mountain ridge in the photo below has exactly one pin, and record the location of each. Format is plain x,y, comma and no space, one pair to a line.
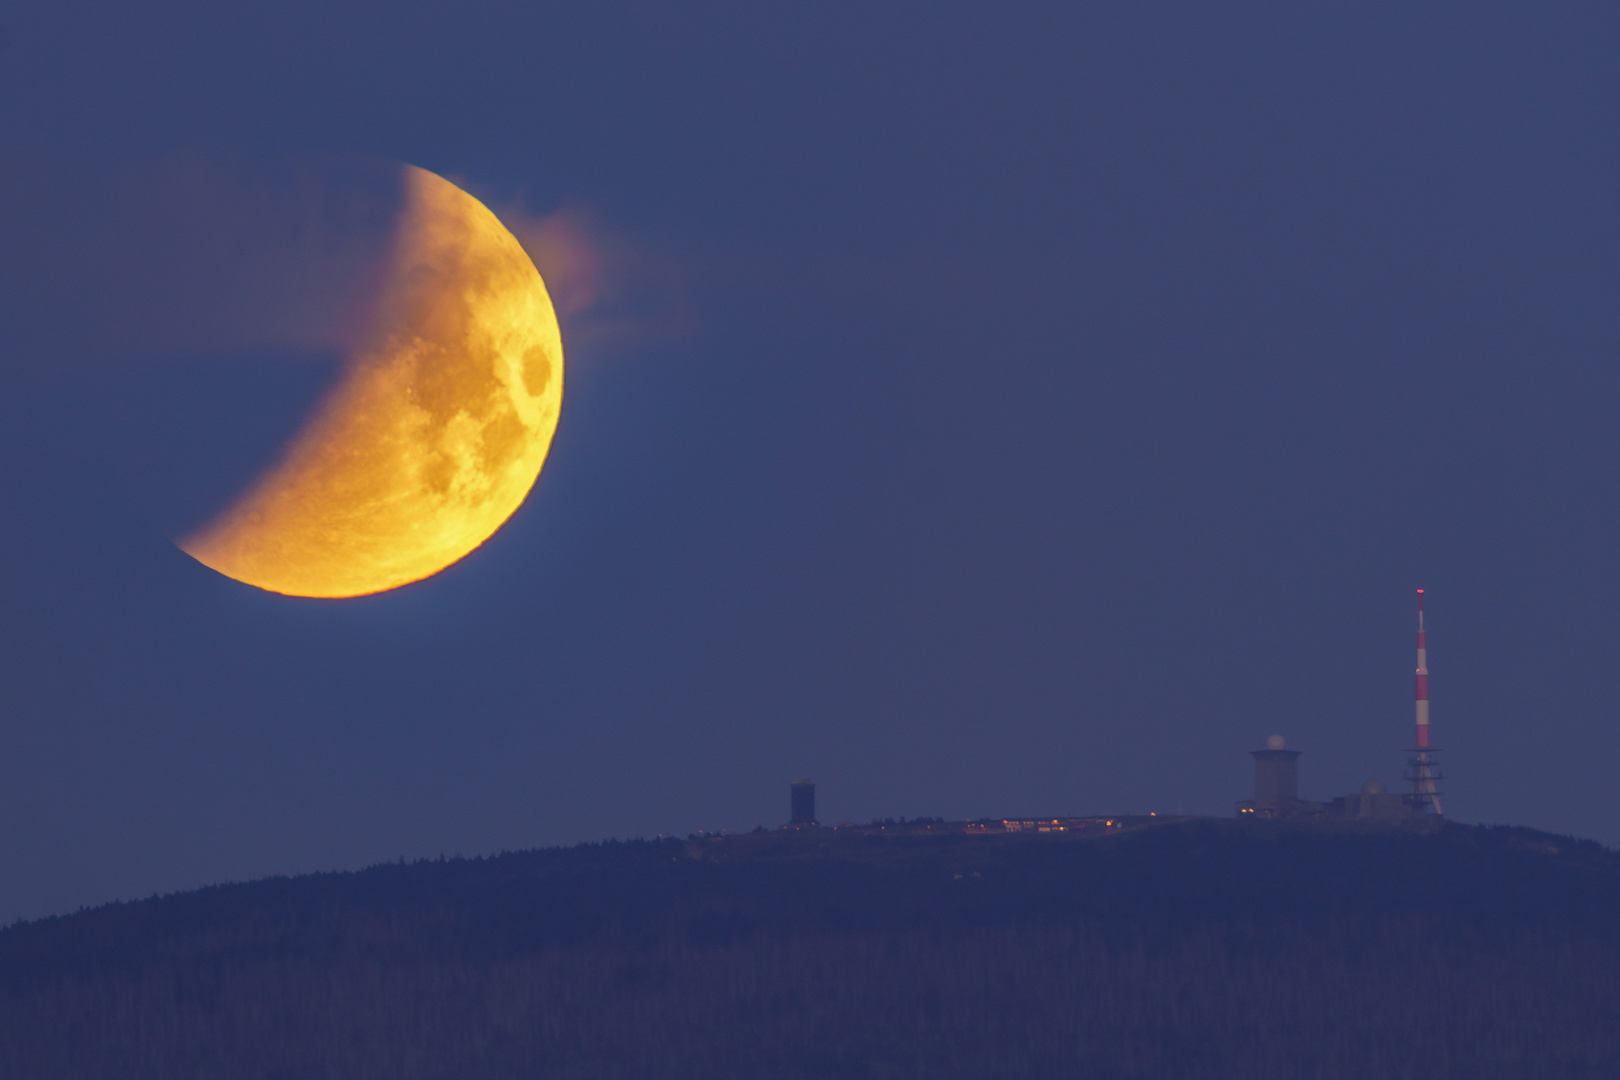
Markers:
1221,947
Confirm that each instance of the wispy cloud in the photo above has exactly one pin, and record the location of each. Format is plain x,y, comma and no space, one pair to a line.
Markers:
614,293
178,255
187,255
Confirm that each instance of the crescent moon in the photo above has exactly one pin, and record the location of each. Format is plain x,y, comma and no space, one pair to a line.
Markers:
435,431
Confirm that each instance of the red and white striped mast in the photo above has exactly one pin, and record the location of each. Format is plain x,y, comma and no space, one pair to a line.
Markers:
1423,767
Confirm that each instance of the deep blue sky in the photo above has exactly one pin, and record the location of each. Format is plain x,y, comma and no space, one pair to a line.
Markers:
1074,396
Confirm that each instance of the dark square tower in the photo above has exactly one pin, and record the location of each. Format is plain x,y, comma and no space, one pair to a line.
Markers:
804,803
1276,778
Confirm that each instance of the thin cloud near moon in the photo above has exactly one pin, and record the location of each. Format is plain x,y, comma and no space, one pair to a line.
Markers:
187,256
614,292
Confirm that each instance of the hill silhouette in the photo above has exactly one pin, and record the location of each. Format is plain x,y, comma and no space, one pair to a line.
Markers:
1196,949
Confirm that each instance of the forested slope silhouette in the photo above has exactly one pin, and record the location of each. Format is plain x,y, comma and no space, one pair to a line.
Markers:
1201,949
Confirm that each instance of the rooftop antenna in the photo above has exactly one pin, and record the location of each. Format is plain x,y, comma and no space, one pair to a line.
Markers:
1422,769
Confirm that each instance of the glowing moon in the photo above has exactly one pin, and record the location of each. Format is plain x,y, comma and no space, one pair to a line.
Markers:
434,434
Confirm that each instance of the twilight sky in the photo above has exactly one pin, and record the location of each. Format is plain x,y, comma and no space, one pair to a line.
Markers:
980,409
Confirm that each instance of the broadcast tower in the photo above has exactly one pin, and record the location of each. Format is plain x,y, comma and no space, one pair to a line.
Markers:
1422,769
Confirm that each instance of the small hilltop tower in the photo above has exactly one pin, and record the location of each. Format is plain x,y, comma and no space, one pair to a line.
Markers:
1276,776
1422,770
1276,785
803,804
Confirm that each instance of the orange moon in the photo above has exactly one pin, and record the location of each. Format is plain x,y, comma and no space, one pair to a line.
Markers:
433,434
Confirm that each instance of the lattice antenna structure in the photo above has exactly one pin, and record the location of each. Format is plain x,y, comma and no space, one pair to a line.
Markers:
1422,770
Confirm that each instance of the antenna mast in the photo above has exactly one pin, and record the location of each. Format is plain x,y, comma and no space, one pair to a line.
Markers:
1422,769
